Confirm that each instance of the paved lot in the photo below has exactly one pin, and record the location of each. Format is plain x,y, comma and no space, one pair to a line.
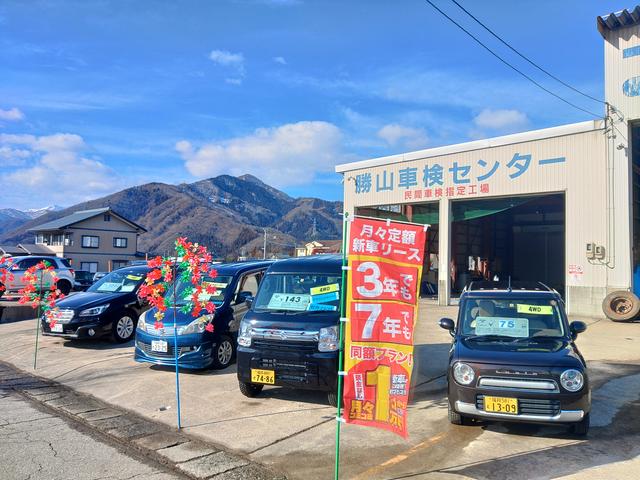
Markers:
293,432
37,445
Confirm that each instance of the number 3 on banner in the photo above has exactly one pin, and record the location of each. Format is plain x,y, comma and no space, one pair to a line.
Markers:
381,379
374,310
372,278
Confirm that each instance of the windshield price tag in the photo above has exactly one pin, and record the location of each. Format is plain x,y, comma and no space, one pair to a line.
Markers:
135,278
535,309
512,327
286,301
110,287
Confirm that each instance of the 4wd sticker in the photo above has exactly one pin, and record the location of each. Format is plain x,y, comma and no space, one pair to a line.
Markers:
334,287
535,309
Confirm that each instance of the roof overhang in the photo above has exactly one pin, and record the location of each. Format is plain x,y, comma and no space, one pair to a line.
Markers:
614,21
563,130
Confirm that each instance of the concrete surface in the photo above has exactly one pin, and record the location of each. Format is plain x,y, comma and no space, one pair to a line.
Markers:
293,432
39,446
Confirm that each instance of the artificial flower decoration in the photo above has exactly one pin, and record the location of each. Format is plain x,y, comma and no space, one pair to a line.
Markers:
6,266
34,291
191,266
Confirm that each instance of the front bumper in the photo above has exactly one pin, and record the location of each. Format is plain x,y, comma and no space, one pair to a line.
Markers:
194,351
312,370
79,330
564,416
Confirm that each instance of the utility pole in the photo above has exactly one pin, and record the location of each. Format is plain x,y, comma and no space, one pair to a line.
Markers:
264,245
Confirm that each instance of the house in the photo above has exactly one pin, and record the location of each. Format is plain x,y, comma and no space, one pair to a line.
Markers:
316,247
93,240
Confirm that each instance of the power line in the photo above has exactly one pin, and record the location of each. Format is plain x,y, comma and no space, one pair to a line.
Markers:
509,65
525,57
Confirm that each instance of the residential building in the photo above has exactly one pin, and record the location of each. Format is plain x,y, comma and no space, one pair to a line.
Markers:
93,240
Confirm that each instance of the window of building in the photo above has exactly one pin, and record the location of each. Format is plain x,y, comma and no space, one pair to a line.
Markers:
107,217
119,264
119,242
89,266
90,241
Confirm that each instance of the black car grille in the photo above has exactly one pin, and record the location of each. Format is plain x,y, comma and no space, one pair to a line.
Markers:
295,347
146,348
292,371
530,406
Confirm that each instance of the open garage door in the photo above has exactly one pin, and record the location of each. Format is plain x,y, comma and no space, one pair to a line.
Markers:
519,237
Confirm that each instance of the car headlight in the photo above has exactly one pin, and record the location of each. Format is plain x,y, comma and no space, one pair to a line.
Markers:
197,326
463,373
244,334
142,321
328,340
572,380
90,312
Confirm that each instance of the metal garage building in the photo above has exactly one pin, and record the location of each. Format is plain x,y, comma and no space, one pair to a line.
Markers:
558,205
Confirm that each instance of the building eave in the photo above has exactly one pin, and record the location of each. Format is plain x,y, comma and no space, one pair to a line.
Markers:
533,135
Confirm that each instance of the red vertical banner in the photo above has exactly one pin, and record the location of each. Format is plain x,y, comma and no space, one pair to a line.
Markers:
385,267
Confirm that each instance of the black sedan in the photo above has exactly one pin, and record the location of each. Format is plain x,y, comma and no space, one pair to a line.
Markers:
110,307
514,359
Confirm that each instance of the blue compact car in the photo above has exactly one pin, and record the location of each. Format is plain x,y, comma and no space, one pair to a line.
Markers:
236,285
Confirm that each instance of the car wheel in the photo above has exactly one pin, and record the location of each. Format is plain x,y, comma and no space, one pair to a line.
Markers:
250,389
456,418
582,427
621,306
64,287
223,353
124,327
332,397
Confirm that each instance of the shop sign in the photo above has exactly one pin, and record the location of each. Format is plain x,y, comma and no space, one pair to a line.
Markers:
382,310
432,180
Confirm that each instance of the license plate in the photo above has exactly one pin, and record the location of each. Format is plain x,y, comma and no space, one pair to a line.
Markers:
57,328
159,346
263,376
501,405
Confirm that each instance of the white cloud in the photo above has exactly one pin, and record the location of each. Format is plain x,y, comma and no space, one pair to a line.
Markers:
12,115
282,156
399,135
54,169
500,119
280,60
233,62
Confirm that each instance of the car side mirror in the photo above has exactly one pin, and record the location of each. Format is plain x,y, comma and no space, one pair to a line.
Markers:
447,324
577,327
244,297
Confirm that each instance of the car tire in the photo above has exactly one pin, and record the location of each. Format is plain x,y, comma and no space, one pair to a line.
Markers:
64,287
581,428
621,306
124,328
250,389
455,418
224,352
332,398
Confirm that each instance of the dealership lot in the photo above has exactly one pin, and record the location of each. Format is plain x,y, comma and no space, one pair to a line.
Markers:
293,432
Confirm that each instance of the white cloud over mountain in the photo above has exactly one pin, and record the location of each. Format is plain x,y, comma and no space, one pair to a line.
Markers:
290,154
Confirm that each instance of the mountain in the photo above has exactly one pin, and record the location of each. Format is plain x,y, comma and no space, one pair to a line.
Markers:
38,212
228,214
10,218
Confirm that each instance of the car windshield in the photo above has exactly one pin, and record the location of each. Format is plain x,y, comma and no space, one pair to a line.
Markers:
184,290
298,292
511,318
118,281
83,275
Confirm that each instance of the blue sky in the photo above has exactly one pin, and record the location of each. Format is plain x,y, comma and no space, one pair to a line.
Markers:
96,96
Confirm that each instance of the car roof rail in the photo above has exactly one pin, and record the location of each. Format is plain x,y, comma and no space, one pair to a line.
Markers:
487,285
